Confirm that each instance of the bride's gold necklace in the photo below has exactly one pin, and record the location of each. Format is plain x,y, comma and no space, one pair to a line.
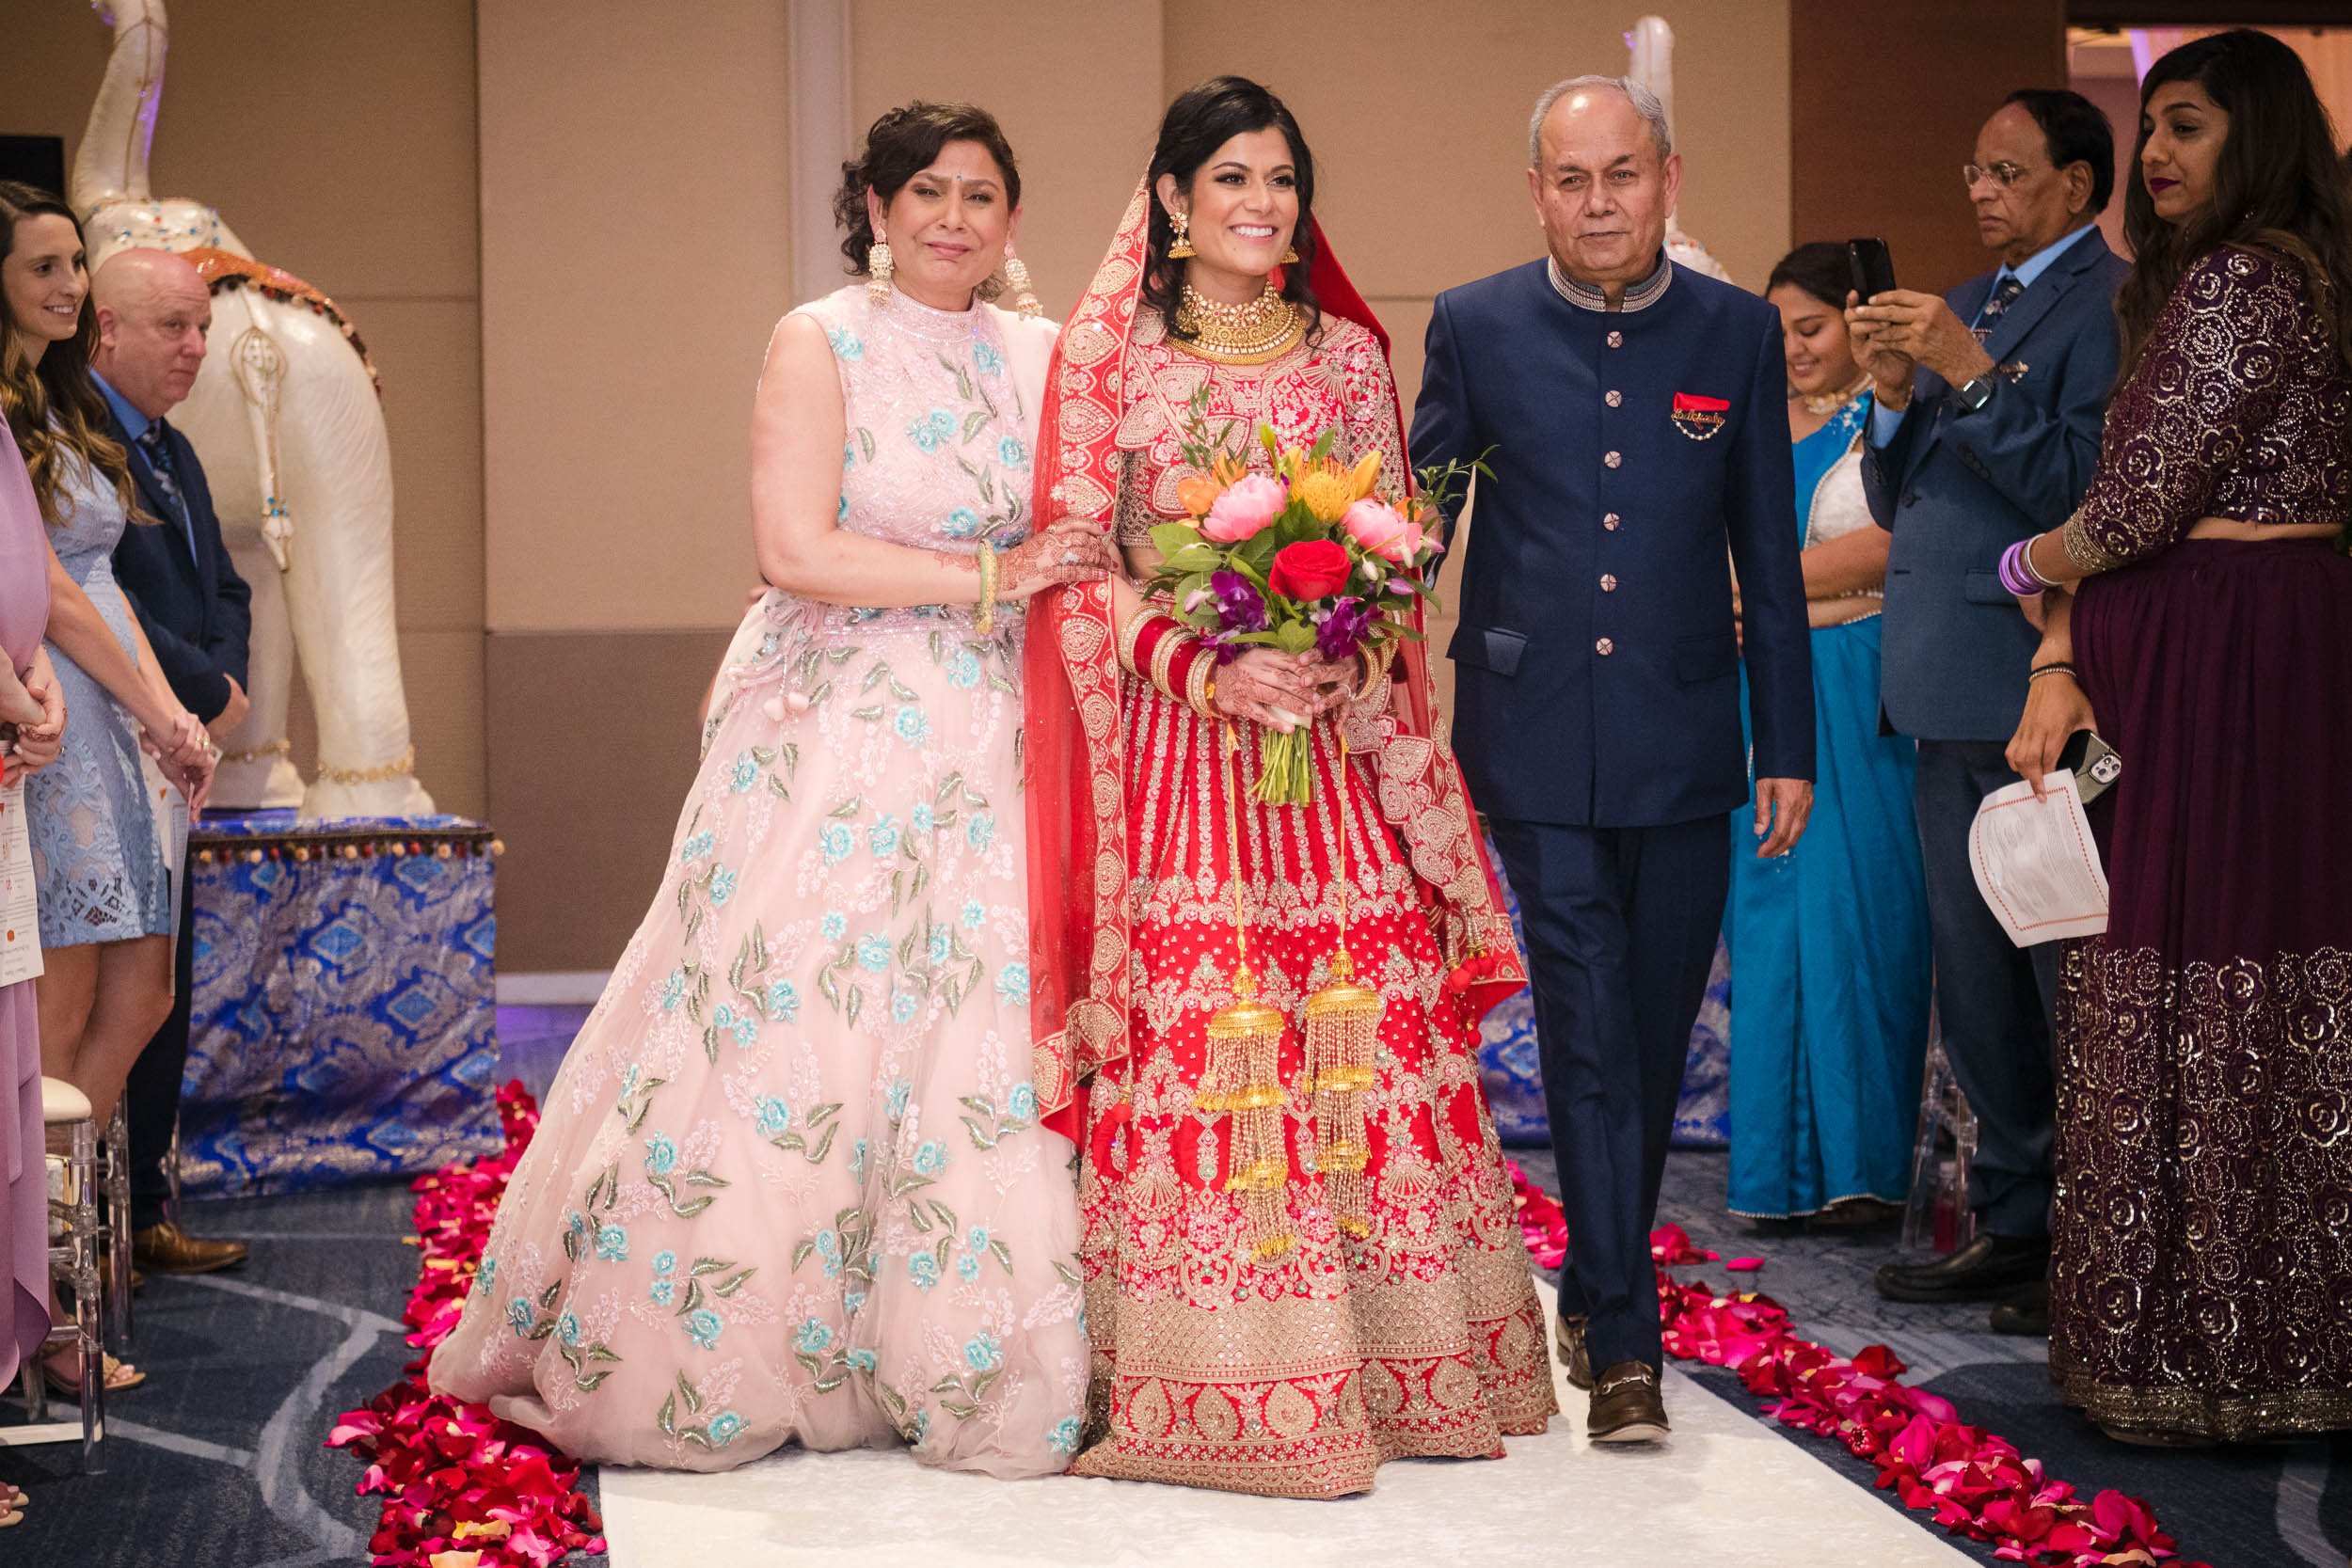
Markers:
1252,334
1829,402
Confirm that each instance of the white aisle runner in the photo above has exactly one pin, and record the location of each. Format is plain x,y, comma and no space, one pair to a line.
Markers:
1728,1489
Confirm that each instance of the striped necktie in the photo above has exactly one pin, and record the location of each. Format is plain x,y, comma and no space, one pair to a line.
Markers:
158,452
2005,295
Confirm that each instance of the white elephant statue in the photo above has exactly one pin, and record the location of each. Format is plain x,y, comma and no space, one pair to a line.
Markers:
1652,44
286,420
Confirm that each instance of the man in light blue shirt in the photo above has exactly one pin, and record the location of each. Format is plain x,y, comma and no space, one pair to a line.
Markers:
1986,428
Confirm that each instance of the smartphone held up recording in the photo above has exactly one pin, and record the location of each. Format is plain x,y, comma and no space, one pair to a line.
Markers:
1872,266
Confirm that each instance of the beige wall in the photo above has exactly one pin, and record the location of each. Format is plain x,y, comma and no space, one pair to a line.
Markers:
570,277
343,153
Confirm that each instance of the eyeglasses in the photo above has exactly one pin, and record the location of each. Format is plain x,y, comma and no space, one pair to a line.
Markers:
2004,175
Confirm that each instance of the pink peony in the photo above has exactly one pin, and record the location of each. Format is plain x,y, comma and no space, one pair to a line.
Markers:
1383,531
1248,504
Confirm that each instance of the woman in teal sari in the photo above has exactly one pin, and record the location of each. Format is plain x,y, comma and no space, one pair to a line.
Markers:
1829,943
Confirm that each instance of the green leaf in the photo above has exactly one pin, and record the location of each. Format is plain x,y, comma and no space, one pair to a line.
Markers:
1173,538
1195,557
1295,637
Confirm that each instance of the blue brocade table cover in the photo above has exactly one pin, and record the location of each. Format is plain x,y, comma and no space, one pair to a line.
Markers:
1513,1074
345,1025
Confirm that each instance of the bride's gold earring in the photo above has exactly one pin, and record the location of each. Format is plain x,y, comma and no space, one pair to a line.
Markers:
1290,256
1180,248
878,266
1017,278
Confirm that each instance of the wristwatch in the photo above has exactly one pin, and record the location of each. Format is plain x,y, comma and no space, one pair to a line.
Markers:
1973,395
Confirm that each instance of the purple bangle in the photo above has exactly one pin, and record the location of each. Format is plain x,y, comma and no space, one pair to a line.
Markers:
2017,574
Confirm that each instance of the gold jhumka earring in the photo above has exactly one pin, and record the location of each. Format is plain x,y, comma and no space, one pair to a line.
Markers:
878,266
1343,1032
1017,278
1290,256
1180,248
1243,1076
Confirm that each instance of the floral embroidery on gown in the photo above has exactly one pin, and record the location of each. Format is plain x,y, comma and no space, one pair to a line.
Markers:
790,1185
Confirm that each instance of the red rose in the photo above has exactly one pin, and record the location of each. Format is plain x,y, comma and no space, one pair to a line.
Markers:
1309,570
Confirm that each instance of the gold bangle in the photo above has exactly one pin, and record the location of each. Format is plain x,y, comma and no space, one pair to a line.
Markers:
1201,685
1129,634
985,621
1376,663
1163,655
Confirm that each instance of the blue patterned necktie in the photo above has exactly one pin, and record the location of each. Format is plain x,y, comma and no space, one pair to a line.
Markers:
2004,295
158,452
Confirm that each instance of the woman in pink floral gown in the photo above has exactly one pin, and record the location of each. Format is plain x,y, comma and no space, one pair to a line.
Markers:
792,1184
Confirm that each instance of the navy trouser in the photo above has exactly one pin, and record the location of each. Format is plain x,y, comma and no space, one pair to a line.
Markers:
1994,1001
1621,926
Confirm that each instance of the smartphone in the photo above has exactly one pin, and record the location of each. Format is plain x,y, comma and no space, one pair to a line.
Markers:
1872,267
2094,764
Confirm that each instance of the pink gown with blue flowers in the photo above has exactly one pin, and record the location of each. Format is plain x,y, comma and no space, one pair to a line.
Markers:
790,1185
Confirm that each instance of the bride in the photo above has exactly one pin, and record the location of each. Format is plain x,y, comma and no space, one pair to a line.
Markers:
1376,1303
792,1184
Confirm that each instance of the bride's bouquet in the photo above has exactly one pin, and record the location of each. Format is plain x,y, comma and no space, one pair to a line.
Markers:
1311,556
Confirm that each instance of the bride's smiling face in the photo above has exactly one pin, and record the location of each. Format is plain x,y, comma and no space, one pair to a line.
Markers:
1242,207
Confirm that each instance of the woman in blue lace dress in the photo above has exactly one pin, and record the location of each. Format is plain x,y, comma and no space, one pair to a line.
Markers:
106,894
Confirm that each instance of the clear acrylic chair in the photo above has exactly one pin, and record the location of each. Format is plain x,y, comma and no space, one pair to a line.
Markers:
76,1236
1938,1214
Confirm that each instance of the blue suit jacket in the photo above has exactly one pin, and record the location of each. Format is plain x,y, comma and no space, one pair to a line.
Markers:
194,607
1596,671
1958,488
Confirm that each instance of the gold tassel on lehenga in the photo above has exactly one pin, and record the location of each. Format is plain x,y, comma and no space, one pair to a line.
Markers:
1342,1030
1243,1080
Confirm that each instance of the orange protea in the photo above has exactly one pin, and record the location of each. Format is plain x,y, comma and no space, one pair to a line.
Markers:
1328,488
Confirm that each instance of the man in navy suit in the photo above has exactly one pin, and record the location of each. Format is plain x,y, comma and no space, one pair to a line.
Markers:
152,312
1637,417
1989,405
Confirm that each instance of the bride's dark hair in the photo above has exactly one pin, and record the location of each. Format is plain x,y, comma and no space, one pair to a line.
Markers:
1203,119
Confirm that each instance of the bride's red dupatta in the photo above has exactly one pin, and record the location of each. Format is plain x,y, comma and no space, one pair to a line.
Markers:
1075,787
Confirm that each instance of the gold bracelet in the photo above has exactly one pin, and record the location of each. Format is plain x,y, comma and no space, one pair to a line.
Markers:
985,621
1377,662
1201,685
1164,653
1129,634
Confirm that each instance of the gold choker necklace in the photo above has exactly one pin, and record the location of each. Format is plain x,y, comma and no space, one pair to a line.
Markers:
1252,334
1829,402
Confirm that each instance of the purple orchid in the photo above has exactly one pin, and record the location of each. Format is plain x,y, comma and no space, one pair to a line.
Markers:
1238,606
1342,631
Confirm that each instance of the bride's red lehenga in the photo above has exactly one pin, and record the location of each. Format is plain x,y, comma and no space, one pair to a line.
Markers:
1287,1345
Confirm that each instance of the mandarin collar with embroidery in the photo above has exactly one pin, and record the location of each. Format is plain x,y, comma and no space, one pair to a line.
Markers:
1640,296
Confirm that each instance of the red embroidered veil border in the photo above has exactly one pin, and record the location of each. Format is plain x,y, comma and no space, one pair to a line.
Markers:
1077,846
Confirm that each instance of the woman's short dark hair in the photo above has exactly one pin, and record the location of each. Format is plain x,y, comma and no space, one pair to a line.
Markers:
901,145
2277,186
1819,269
1203,119
2078,130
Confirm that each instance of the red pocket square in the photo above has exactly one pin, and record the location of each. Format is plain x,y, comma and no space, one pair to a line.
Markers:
1690,403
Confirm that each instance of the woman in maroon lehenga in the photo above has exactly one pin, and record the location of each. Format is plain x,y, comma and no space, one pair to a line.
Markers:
1356,1290
2201,1277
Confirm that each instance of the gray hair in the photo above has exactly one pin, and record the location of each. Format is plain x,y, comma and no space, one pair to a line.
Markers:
1644,104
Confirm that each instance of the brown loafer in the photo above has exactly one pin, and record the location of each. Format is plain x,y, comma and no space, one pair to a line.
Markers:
1627,1407
1568,1338
167,1249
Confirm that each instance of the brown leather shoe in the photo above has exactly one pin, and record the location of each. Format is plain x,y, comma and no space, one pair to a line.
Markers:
1627,1407
1568,1337
167,1249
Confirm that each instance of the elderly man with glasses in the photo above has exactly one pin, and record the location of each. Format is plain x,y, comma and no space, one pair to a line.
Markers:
1986,430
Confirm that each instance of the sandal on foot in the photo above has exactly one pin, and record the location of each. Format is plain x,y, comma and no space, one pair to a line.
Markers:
119,1376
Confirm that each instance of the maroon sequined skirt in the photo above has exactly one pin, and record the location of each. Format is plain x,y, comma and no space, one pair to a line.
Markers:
2202,1226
